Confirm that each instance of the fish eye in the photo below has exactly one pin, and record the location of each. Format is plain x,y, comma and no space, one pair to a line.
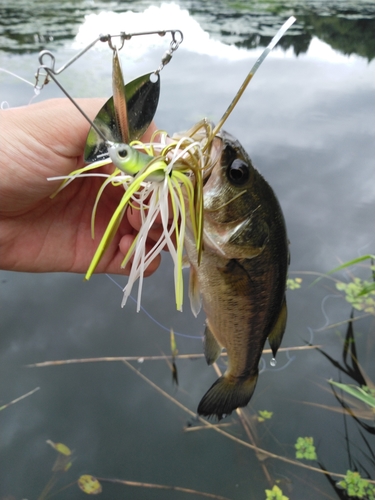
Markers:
123,153
238,172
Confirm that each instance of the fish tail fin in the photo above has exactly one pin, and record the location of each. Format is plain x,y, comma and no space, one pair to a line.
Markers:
226,395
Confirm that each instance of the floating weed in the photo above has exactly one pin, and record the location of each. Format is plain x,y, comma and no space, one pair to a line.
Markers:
356,486
89,484
305,448
359,293
275,494
264,415
293,283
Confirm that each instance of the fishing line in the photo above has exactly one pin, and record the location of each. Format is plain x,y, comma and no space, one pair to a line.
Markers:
196,337
311,331
322,308
5,104
262,367
16,76
290,360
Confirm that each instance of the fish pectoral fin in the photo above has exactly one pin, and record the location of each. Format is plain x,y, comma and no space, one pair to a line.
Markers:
276,335
252,234
212,349
194,295
226,395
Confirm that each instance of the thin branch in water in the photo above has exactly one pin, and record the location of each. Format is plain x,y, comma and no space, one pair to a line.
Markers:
19,399
335,325
161,487
141,359
204,427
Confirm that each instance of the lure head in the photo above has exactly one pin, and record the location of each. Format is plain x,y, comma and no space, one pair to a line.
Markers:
131,161
126,158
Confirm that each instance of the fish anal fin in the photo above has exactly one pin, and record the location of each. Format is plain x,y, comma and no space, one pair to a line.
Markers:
212,348
276,335
226,395
194,295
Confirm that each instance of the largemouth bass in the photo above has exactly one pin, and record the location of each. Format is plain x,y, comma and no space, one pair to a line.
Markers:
242,273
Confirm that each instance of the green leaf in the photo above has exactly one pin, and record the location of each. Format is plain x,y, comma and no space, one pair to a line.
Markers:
352,262
364,393
173,344
345,265
367,289
60,447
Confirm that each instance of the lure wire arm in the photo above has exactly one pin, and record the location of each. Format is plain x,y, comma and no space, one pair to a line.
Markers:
51,74
51,67
177,39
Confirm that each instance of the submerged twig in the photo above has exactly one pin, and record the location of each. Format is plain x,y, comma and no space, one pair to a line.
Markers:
141,359
19,399
161,487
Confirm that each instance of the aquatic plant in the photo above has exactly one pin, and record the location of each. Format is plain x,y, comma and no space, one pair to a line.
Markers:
264,415
293,283
359,293
356,486
363,393
305,448
89,484
275,494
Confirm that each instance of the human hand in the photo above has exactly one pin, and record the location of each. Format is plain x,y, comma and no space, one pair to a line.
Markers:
40,234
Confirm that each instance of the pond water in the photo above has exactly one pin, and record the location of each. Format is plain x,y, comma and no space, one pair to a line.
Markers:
308,122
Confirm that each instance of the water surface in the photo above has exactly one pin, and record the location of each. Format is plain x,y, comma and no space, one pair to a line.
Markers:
307,121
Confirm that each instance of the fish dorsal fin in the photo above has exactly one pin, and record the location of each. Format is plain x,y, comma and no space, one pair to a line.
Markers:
276,335
212,349
194,295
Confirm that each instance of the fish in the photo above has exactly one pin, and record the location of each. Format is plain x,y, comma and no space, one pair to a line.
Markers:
241,276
